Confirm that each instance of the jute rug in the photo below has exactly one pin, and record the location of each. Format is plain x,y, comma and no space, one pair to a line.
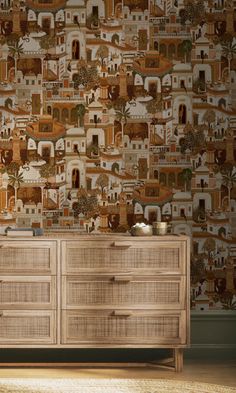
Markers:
28,385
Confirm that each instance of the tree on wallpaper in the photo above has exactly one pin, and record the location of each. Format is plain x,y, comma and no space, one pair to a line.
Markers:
114,112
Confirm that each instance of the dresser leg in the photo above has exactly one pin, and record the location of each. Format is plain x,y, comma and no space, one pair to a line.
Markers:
178,357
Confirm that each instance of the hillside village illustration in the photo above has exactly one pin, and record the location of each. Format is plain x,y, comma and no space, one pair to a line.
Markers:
117,112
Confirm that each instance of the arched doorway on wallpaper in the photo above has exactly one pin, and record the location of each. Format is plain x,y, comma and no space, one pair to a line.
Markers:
75,178
152,214
182,114
155,174
46,153
75,50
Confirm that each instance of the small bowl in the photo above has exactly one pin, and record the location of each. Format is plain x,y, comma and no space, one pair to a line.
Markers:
160,228
141,231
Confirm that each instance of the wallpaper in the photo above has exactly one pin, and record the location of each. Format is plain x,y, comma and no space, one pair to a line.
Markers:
117,112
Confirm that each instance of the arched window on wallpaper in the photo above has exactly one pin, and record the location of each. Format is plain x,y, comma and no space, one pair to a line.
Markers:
180,179
182,114
115,167
179,50
74,115
222,232
75,50
222,103
171,51
171,179
75,178
163,179
64,114
163,49
56,114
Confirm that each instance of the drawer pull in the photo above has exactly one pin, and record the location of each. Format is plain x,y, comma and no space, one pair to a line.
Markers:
122,278
121,244
120,313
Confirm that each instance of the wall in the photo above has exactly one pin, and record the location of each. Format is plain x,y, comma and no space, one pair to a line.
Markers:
124,115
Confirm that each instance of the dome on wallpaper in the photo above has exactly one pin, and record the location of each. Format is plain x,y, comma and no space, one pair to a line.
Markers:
116,112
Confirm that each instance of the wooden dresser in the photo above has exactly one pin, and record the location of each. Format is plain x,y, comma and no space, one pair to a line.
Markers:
95,291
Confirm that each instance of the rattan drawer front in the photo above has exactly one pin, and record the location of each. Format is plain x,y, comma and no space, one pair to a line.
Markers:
123,326
28,292
37,257
135,256
123,291
27,327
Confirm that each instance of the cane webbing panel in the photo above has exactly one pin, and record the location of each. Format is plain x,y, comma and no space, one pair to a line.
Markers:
122,293
23,259
24,292
25,327
134,258
135,328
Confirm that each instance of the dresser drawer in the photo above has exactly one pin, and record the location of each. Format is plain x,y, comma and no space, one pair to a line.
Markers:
24,257
27,292
123,290
27,327
123,327
159,257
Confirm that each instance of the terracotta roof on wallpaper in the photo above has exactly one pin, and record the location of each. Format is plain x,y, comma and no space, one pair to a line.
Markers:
167,196
18,111
115,174
7,92
99,41
208,106
111,156
215,237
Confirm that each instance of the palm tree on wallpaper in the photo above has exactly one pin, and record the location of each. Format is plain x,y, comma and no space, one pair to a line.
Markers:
16,50
81,112
46,171
15,180
122,115
229,51
186,48
229,180
187,176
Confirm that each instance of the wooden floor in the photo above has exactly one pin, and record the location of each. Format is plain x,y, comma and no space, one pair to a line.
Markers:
218,371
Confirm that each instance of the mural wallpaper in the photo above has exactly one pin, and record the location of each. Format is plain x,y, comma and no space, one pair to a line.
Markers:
116,112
